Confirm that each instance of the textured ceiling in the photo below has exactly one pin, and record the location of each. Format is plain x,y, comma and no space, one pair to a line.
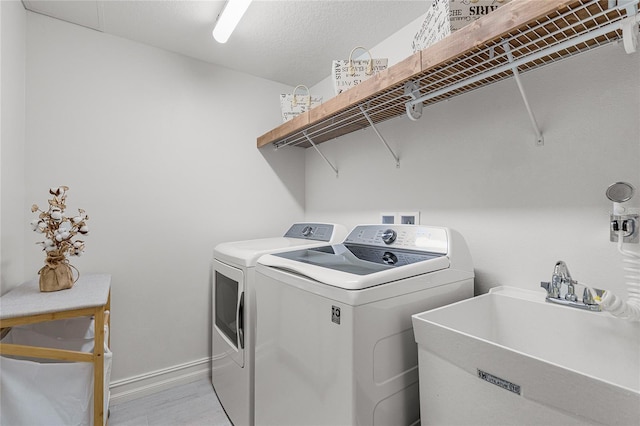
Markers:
292,42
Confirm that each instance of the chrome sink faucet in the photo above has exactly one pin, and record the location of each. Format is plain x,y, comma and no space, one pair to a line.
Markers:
562,290
561,282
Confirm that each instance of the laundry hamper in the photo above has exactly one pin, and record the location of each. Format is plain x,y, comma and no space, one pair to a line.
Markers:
46,392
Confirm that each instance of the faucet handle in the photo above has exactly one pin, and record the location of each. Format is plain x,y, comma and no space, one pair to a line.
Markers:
588,296
546,285
552,290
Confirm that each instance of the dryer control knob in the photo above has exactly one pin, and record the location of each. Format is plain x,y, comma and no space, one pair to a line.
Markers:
389,236
307,230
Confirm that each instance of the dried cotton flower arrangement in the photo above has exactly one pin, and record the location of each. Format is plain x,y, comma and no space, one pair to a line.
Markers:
59,231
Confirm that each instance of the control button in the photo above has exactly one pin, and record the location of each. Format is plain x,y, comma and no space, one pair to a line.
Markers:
389,258
307,231
389,236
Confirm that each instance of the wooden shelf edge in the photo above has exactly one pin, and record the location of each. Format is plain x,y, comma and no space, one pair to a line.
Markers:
51,316
45,353
285,129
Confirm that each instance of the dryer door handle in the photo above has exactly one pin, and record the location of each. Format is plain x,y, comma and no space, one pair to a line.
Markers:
241,321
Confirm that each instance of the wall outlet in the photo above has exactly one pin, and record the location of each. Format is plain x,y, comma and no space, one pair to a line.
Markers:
409,218
403,218
388,218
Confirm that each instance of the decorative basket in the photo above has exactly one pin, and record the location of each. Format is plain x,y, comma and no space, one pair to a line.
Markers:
293,104
348,73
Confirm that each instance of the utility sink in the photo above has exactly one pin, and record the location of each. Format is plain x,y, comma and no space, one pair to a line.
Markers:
508,357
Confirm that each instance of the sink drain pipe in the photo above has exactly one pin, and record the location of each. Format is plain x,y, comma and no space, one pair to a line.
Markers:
627,309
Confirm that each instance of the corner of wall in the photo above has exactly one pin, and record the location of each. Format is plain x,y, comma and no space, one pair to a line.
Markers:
12,140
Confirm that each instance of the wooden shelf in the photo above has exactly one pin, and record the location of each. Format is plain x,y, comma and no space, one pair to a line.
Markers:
526,33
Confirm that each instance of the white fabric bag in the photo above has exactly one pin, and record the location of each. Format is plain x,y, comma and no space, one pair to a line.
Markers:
348,73
292,104
50,392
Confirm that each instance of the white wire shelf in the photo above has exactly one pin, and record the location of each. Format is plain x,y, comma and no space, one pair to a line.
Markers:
478,55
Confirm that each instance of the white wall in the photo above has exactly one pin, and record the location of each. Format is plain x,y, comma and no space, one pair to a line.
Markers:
12,138
471,164
160,150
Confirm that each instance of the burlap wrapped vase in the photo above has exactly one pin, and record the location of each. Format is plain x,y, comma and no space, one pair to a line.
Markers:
56,274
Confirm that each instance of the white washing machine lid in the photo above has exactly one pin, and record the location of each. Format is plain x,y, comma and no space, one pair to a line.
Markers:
341,266
246,253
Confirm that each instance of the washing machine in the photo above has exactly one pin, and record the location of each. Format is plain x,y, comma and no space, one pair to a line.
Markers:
334,342
233,310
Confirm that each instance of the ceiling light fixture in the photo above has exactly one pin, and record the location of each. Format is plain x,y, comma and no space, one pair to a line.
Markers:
229,18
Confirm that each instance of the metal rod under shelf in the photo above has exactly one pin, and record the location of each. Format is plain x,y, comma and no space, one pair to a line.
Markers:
532,117
375,129
320,152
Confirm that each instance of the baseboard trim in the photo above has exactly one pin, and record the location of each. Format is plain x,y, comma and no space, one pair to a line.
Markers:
158,380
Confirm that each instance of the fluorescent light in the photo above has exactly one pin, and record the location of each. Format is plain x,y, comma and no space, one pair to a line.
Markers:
229,18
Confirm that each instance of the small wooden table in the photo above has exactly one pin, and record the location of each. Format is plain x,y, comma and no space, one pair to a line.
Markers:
90,296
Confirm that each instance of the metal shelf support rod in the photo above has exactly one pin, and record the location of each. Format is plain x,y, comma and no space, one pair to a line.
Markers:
522,60
320,152
412,89
629,27
631,6
373,126
532,117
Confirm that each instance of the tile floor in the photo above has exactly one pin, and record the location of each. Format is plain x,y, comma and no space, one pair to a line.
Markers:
193,404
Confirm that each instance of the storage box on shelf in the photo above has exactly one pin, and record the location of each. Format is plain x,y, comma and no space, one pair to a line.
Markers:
447,16
521,35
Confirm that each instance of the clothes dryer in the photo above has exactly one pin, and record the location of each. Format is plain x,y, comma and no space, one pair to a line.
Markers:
334,335
233,310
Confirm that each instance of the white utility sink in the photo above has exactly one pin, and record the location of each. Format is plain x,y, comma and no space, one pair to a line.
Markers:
508,357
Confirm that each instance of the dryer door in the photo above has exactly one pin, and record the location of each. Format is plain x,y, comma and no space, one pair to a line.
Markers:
228,312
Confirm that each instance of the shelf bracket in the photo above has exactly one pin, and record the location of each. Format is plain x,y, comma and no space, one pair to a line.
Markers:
414,110
631,6
373,126
320,152
630,32
516,76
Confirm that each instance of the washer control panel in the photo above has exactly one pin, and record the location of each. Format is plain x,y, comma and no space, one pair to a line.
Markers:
311,231
410,237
